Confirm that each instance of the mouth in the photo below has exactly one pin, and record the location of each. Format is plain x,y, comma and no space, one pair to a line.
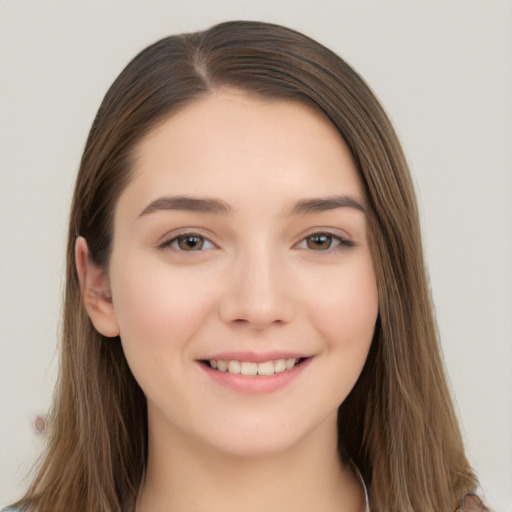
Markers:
253,368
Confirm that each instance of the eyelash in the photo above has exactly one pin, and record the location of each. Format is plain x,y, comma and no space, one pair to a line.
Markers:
340,241
183,236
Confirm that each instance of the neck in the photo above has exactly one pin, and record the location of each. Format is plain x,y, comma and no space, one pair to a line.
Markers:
188,477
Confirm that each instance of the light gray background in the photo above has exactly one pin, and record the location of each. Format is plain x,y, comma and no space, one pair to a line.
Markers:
442,69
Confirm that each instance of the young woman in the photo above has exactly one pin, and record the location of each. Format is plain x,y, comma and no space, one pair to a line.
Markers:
247,320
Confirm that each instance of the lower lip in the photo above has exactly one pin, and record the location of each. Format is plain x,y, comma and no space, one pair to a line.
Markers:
255,384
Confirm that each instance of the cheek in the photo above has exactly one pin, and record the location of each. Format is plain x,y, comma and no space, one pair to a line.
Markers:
157,309
343,313
346,311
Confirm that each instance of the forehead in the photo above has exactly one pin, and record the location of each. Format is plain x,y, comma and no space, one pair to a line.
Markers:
228,144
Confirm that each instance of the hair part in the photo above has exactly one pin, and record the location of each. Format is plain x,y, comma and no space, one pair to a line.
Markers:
397,425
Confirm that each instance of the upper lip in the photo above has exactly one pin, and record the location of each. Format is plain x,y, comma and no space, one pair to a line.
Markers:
255,357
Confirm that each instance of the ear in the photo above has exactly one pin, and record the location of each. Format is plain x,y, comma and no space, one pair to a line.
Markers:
95,291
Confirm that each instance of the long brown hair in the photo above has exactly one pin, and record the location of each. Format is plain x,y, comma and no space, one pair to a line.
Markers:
398,424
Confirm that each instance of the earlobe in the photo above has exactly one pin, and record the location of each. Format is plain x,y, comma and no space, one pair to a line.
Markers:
95,291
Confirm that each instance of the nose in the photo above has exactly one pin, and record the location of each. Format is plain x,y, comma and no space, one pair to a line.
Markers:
258,292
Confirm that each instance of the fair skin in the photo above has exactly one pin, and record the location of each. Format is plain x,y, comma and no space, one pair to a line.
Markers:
271,267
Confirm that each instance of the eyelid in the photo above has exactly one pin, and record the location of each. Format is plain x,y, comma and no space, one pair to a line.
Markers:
169,239
344,239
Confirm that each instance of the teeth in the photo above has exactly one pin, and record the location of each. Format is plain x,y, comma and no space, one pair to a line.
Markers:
266,368
290,363
280,366
234,367
222,366
250,368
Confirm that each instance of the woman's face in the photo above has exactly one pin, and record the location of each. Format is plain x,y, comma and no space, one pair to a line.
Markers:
241,243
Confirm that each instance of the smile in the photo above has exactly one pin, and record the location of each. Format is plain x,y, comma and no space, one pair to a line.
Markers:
249,368
254,374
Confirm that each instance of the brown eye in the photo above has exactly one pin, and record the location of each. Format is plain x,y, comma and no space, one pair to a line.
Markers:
319,242
187,242
190,242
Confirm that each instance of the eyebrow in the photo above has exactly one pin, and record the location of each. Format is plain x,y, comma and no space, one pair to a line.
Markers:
191,204
217,206
318,205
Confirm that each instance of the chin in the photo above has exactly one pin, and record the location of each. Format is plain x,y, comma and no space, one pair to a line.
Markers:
258,438
255,446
